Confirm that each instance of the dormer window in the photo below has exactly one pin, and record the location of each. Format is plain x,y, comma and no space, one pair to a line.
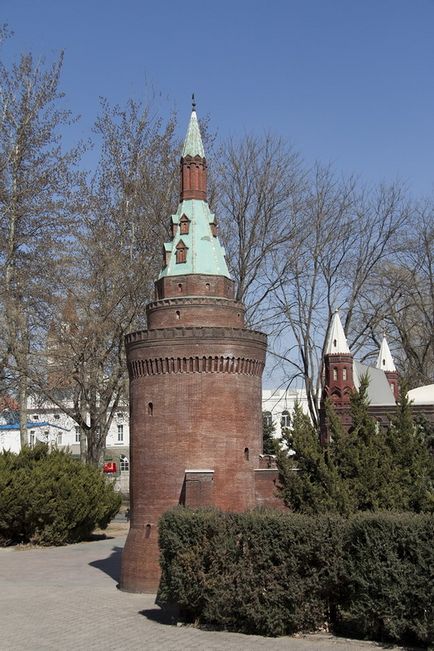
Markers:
166,254
184,225
181,252
214,229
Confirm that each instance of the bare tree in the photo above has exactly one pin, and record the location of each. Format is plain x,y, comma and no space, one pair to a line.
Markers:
259,182
405,283
36,206
301,244
345,235
118,256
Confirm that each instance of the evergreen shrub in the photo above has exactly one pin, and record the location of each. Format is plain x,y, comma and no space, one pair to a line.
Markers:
388,582
49,498
258,572
270,573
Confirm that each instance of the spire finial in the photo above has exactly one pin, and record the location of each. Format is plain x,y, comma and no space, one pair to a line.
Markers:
193,103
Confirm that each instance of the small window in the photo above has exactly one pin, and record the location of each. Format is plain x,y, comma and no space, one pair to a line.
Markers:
246,454
285,420
207,287
335,342
56,416
77,434
344,374
214,229
32,438
179,288
181,252
35,417
150,409
335,373
184,225
124,464
59,438
120,433
120,414
267,418
177,315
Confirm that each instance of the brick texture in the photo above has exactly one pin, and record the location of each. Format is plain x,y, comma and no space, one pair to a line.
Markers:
196,421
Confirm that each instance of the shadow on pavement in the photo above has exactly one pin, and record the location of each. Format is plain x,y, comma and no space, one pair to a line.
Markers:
110,565
167,615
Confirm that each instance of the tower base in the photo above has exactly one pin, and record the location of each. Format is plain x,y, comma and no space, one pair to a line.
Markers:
140,569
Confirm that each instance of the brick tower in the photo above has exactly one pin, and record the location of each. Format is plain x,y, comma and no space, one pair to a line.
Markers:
195,382
338,375
385,363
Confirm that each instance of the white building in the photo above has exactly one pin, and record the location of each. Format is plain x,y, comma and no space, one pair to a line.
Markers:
48,424
278,406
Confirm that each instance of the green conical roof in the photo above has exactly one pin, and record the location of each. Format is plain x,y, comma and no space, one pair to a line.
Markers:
205,254
193,145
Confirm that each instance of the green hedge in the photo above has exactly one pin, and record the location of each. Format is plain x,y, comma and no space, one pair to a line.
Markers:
49,498
270,573
389,578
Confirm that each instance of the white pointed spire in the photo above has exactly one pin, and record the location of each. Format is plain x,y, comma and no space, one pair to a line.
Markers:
336,340
193,145
385,359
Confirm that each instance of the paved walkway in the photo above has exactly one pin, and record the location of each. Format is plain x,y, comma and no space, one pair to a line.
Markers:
66,598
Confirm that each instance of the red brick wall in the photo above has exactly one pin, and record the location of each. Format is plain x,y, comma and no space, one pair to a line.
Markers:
194,285
195,400
181,312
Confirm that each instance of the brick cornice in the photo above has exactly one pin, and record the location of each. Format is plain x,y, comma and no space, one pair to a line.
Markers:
167,335
195,364
194,300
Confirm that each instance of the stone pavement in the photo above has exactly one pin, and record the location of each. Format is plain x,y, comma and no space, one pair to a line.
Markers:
66,598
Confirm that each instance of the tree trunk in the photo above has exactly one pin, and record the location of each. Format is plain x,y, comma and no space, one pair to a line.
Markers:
22,400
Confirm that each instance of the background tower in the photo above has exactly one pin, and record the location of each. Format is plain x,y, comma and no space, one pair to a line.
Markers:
338,374
195,382
385,363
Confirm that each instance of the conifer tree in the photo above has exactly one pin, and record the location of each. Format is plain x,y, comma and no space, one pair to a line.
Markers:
367,468
413,463
270,444
308,482
363,459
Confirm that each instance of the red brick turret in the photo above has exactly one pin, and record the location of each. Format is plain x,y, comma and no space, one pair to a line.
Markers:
338,375
195,386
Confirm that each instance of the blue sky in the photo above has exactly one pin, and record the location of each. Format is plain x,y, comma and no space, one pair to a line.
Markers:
346,81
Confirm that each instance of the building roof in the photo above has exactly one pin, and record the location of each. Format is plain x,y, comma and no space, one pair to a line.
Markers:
422,395
385,359
379,389
30,425
205,253
336,340
193,145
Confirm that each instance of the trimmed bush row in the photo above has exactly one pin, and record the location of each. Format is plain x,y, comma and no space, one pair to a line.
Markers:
270,573
49,498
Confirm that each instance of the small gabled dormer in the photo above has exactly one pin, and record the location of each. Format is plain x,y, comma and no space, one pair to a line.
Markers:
167,250
213,226
184,225
181,252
